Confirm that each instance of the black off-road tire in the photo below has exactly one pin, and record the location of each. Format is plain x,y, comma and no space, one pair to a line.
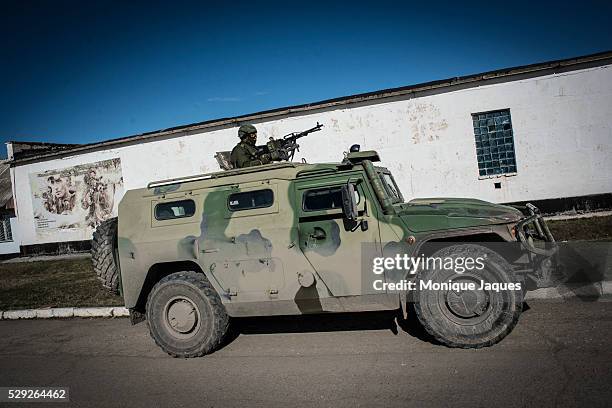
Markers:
192,290
105,256
440,320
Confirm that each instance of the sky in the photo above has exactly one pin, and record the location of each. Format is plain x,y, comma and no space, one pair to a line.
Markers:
87,71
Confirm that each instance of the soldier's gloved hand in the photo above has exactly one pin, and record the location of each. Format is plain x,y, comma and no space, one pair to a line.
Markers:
275,155
265,158
283,155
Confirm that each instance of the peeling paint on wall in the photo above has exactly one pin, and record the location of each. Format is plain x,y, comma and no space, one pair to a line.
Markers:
426,122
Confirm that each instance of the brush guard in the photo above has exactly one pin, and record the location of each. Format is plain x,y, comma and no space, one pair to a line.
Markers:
540,231
532,228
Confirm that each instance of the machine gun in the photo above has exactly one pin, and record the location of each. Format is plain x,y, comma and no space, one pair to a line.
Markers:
282,149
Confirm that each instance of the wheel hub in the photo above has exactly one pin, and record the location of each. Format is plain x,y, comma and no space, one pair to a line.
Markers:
467,303
182,316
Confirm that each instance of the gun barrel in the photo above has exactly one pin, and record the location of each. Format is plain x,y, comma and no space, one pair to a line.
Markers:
304,133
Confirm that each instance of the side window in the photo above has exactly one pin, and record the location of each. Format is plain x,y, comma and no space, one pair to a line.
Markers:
327,198
249,200
174,209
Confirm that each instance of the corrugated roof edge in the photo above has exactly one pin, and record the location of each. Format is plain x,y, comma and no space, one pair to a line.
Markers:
598,59
23,149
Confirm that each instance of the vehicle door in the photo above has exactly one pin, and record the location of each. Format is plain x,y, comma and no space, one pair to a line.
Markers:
331,244
239,228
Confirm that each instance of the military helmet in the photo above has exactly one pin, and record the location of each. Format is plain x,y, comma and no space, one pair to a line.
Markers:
246,130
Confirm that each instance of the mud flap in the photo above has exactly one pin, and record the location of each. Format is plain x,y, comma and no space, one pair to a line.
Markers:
136,317
403,304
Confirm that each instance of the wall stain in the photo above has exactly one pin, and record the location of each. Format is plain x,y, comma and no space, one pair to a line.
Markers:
426,122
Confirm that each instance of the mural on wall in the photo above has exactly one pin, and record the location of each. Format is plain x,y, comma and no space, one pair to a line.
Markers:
79,197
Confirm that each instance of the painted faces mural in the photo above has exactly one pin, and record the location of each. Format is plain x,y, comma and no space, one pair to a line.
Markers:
79,197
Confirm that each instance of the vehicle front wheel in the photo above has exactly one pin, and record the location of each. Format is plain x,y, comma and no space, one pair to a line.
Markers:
469,318
185,315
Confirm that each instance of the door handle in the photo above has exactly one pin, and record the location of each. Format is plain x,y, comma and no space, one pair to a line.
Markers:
318,233
196,248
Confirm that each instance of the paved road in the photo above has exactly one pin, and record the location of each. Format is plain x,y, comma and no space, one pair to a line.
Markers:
559,355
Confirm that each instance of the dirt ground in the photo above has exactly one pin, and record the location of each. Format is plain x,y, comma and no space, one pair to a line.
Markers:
57,283
582,229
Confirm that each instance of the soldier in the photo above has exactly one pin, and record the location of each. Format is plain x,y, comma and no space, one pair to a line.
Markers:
245,153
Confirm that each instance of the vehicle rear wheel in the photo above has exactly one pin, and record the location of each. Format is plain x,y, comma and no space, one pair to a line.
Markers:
185,315
105,256
469,318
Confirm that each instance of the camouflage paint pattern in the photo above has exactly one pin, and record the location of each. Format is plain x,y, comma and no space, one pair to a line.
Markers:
255,258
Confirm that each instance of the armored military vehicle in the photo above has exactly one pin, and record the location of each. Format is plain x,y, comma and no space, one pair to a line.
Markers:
190,254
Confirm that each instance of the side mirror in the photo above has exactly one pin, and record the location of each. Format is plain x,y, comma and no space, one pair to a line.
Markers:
349,206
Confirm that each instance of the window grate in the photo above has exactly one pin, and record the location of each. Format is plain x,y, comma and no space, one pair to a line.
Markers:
494,142
6,234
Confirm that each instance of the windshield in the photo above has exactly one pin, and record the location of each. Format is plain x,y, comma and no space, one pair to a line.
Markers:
390,187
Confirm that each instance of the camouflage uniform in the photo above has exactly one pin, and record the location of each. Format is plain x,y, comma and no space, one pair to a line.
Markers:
245,154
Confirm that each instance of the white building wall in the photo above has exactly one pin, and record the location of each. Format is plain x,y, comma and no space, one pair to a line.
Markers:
562,133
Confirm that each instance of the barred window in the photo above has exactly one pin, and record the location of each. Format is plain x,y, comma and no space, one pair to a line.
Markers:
5,230
494,142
